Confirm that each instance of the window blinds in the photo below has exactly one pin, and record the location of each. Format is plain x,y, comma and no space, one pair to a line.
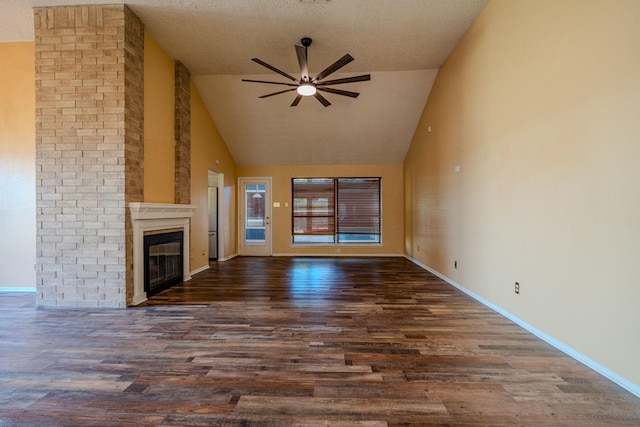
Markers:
358,206
348,208
313,206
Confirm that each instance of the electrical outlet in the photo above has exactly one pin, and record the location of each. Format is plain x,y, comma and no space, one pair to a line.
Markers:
517,288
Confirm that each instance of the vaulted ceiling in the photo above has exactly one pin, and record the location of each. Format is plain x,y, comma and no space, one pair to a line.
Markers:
401,43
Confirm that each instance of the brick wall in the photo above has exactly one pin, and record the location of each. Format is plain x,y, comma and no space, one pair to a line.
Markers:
89,152
134,130
182,125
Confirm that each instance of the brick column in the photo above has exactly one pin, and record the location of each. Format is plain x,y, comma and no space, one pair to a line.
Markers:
182,126
134,130
89,152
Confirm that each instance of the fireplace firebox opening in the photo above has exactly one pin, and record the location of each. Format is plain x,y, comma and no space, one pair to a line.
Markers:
163,263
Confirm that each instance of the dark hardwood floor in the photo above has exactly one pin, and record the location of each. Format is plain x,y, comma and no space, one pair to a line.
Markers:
294,342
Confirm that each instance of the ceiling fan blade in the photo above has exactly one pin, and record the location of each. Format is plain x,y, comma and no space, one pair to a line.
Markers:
302,61
322,99
276,93
339,92
334,67
272,68
361,78
296,101
272,83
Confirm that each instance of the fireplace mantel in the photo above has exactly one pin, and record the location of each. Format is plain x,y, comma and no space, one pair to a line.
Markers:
153,217
148,211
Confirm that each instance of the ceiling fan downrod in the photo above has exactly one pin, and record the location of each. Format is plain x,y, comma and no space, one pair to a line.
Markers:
306,42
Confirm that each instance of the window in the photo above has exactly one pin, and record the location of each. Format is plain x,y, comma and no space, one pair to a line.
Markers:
359,210
313,210
330,210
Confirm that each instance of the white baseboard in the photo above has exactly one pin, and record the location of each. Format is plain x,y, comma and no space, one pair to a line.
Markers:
227,258
336,255
622,382
13,289
200,270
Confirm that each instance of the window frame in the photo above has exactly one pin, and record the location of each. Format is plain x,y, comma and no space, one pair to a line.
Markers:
334,236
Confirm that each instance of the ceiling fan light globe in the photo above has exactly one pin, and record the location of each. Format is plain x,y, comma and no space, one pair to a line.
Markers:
306,89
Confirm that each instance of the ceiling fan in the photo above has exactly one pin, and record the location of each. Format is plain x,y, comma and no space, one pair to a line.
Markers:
307,86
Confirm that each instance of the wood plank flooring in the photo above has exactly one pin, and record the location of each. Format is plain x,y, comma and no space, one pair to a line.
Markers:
294,342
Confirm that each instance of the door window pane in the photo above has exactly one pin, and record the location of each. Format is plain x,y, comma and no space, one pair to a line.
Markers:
255,214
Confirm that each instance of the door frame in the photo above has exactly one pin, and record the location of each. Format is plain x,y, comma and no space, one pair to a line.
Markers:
221,211
255,250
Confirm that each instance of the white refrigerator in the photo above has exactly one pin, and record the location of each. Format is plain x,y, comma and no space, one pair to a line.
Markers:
213,223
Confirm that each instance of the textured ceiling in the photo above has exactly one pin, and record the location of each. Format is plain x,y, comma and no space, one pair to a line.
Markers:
401,43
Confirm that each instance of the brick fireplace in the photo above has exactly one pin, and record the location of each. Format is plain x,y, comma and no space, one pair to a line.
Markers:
155,217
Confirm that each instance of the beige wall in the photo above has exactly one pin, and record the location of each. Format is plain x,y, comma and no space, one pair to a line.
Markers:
538,106
17,166
159,137
207,147
209,152
392,217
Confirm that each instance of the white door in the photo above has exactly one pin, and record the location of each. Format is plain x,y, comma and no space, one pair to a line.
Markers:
255,216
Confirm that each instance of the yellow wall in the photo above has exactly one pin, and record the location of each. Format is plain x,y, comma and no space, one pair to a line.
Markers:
17,165
207,147
159,137
538,105
209,152
392,209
